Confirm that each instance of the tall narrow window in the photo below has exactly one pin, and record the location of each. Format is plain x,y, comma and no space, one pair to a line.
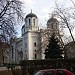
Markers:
35,50
35,44
26,56
29,21
35,56
34,22
12,52
52,26
56,26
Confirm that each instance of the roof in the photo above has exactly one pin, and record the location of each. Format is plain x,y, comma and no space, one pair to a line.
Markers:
52,20
31,15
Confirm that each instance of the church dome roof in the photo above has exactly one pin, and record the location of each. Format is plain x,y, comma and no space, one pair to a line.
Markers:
31,15
52,20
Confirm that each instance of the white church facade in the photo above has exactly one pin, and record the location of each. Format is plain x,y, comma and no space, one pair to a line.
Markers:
34,41
31,38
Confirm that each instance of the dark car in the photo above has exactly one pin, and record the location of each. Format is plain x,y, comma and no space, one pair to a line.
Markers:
54,72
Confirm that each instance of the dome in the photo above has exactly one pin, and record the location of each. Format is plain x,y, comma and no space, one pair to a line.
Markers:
52,23
31,15
52,20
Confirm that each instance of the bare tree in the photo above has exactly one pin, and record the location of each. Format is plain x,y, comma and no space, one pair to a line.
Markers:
10,11
73,2
65,15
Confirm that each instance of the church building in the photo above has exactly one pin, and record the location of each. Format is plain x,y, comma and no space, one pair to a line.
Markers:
34,41
31,38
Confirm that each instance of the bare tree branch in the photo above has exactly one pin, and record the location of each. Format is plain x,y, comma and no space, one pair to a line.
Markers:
73,3
10,10
62,13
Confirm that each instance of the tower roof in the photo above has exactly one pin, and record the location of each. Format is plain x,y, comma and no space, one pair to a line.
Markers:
52,20
31,15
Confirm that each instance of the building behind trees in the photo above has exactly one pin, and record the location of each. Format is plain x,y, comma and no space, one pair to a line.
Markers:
34,41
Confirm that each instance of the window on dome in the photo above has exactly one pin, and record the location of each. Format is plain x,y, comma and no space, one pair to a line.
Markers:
52,25
29,21
34,22
56,26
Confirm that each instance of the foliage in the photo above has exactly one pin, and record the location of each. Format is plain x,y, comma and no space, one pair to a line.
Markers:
53,50
49,64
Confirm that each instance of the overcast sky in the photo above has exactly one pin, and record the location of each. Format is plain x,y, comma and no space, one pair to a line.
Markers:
42,8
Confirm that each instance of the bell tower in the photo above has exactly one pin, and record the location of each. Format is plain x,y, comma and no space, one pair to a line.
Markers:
52,28
31,38
53,24
31,22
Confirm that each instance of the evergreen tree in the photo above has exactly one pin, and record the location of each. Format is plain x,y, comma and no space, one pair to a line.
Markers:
53,50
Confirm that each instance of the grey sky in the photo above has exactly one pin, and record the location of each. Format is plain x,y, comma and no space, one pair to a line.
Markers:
42,8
